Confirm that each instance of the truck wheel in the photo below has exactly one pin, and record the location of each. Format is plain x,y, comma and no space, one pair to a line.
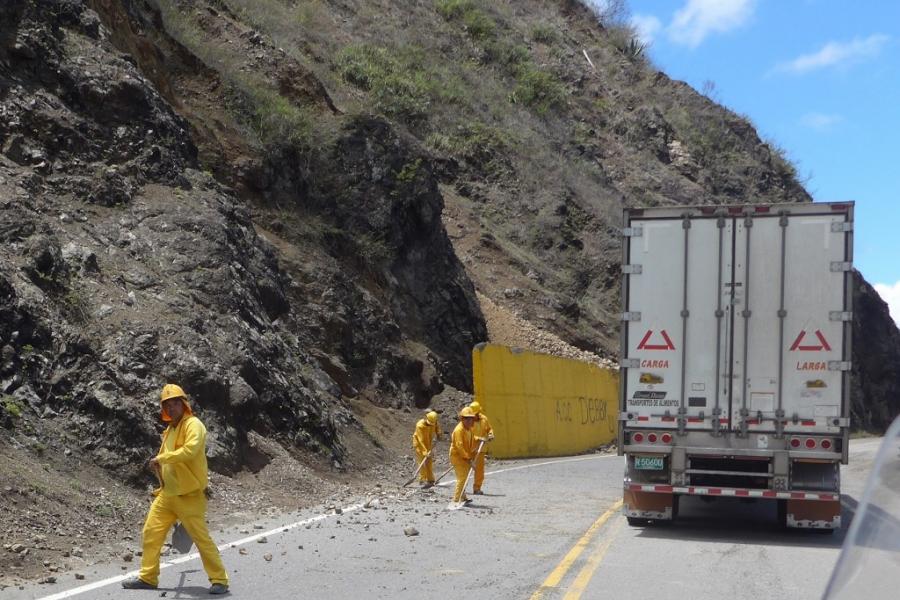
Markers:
638,522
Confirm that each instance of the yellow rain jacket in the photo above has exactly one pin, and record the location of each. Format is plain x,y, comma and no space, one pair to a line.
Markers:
482,428
182,456
425,433
462,445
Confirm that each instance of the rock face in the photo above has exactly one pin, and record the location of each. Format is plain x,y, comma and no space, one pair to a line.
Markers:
876,361
181,199
123,266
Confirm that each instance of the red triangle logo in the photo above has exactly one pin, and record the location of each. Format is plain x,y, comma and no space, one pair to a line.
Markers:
666,345
823,343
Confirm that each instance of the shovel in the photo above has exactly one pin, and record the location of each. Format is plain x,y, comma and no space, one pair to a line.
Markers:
450,468
421,464
459,505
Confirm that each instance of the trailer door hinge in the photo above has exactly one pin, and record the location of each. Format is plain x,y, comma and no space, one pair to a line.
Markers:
839,365
841,227
838,266
631,316
630,363
632,232
632,269
838,315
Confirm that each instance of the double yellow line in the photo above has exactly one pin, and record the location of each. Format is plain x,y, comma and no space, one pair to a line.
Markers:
587,571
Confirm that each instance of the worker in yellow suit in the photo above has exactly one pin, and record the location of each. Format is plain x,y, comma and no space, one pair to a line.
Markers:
462,451
482,431
180,465
427,429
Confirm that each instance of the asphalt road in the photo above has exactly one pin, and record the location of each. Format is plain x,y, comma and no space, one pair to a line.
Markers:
545,529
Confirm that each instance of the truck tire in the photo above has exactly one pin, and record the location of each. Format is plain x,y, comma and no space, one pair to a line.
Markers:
638,522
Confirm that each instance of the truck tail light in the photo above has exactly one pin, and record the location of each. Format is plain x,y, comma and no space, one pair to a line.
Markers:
637,437
666,438
825,444
651,437
810,443
795,442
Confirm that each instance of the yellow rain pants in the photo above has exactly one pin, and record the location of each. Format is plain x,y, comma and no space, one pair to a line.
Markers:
462,471
462,450
190,509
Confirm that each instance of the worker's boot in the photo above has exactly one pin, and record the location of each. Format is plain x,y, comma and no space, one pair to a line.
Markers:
135,583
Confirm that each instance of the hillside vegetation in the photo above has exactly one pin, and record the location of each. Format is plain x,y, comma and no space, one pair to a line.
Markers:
289,205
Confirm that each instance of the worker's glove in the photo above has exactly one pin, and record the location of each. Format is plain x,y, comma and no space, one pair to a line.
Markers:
490,436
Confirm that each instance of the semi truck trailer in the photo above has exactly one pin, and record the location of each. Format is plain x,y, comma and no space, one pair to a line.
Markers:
735,357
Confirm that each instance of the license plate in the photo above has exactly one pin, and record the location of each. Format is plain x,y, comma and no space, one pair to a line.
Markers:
648,463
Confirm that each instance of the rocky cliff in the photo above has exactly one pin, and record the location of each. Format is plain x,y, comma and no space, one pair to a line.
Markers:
288,205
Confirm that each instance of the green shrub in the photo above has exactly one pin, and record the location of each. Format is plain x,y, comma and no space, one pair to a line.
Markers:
399,88
510,57
478,24
544,34
482,146
537,89
11,407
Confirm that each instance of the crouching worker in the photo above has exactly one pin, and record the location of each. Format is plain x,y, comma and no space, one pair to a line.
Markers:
462,451
181,468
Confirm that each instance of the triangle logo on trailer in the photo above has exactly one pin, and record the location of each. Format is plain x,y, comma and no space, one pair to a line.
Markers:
666,345
822,345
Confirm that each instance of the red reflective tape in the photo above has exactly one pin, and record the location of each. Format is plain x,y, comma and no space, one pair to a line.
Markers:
752,421
714,491
643,418
723,421
808,423
663,488
741,492
798,496
769,494
668,418
694,420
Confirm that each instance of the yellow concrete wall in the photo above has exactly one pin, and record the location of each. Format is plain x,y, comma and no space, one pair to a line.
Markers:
542,405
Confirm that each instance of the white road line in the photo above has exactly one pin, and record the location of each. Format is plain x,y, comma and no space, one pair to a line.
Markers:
272,532
540,464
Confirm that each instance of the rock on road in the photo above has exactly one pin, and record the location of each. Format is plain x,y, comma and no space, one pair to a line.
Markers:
544,529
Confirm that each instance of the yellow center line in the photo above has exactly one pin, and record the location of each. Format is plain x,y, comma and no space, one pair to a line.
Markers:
587,571
565,564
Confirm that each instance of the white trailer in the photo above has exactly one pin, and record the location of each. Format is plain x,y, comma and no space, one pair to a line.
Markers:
735,346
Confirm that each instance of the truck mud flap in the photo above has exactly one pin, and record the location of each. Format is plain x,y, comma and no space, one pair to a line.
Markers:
649,505
806,514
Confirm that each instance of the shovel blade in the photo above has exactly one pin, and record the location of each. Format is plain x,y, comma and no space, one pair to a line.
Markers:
181,541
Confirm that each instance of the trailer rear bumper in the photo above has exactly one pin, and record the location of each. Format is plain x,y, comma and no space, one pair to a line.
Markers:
735,492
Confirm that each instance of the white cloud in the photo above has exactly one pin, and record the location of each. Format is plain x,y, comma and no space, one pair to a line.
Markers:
820,121
699,18
836,54
891,295
646,27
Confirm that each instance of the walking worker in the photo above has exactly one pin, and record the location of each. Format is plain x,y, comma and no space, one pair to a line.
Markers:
482,431
180,466
462,451
427,429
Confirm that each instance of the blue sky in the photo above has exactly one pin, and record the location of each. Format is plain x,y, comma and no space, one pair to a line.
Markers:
821,79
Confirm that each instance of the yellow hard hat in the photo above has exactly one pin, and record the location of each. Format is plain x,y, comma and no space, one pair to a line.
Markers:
170,390
431,417
475,406
467,412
